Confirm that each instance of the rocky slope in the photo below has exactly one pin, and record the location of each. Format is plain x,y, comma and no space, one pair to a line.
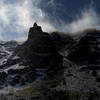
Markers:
87,46
37,58
87,52
51,67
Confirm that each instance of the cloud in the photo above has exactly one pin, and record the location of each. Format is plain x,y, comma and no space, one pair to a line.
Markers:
52,3
17,17
87,19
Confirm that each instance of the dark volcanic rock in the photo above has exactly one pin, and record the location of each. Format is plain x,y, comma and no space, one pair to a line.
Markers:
3,75
38,57
39,51
10,45
14,81
87,51
34,32
62,41
10,62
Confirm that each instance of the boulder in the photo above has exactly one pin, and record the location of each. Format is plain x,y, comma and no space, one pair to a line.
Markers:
62,40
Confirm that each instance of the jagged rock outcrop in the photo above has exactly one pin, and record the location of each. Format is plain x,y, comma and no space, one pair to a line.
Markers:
40,52
63,41
38,61
39,57
87,51
34,32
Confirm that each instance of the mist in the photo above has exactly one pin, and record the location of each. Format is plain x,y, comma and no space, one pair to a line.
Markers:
87,19
17,17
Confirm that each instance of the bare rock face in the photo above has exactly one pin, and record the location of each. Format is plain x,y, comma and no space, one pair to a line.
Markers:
39,61
40,52
37,58
87,51
62,41
34,31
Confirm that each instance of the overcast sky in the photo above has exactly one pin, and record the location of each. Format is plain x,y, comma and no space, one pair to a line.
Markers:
17,16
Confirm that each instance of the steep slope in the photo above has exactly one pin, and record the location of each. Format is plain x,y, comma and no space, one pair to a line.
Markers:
40,52
51,67
38,58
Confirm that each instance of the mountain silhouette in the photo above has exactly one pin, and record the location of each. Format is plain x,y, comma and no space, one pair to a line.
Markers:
48,65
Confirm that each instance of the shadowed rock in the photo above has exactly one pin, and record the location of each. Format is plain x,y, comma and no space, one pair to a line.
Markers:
39,50
87,51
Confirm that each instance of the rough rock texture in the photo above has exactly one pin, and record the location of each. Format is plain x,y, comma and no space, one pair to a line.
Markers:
51,67
40,52
87,51
37,58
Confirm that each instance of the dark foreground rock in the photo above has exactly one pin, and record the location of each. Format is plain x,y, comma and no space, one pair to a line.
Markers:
37,58
87,51
40,51
51,67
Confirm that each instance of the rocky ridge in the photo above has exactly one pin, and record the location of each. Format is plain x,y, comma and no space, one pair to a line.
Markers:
52,66
37,58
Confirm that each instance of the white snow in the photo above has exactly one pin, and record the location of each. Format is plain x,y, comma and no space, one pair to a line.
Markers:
16,66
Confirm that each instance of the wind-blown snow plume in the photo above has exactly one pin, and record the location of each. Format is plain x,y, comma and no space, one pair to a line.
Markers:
87,19
17,16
